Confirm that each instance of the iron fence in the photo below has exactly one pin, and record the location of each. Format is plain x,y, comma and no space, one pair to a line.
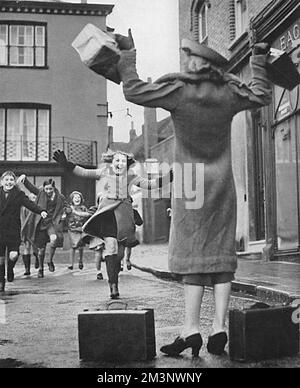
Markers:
78,151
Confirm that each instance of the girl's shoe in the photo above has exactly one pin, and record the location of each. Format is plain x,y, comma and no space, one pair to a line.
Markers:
128,266
51,266
10,270
99,276
80,265
216,343
114,292
193,341
40,273
70,267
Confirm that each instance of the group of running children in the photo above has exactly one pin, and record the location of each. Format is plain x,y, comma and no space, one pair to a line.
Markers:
28,223
108,228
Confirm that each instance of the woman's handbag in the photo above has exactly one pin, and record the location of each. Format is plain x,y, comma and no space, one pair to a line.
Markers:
99,51
281,70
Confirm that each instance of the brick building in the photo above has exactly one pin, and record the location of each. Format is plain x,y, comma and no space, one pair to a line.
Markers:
49,99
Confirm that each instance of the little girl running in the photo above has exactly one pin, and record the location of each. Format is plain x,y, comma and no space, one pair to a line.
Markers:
114,219
76,216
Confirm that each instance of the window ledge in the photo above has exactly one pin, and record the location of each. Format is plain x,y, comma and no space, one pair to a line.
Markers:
204,40
237,40
25,67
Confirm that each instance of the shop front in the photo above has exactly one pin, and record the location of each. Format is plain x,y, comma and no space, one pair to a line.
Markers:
282,152
286,138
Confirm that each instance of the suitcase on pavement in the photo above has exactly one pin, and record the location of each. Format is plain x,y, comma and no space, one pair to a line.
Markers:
116,335
263,332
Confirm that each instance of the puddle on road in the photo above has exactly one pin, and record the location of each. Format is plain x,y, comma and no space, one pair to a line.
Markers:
65,301
4,342
13,363
32,292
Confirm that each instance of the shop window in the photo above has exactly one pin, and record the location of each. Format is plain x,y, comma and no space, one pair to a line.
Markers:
22,44
24,132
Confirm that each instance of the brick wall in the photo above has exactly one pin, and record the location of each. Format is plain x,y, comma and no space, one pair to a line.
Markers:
221,35
218,21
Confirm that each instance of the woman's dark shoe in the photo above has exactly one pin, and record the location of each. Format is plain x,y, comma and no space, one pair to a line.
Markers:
128,266
80,265
193,341
216,343
70,267
99,276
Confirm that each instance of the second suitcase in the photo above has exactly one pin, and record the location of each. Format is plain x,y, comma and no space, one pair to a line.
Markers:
262,333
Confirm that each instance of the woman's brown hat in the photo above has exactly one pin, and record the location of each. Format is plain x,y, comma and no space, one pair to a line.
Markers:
203,51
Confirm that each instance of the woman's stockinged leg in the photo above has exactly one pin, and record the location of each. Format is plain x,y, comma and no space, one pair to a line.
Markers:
190,336
222,298
193,301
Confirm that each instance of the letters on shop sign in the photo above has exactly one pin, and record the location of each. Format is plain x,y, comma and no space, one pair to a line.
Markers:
289,38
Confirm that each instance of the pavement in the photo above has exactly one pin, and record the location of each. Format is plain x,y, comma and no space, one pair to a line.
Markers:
274,281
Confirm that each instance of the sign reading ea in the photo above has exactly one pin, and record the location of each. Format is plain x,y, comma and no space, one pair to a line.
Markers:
288,40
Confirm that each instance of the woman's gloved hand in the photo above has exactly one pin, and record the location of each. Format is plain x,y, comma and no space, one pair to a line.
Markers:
125,42
262,48
60,157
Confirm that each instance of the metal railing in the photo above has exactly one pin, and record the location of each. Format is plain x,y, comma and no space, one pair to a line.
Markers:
78,151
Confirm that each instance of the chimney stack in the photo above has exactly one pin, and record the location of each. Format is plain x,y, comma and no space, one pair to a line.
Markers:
110,135
132,133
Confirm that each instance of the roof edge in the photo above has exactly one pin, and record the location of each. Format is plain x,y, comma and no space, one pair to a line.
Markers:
55,7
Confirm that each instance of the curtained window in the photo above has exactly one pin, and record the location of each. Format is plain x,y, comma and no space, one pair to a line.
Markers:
22,45
25,136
